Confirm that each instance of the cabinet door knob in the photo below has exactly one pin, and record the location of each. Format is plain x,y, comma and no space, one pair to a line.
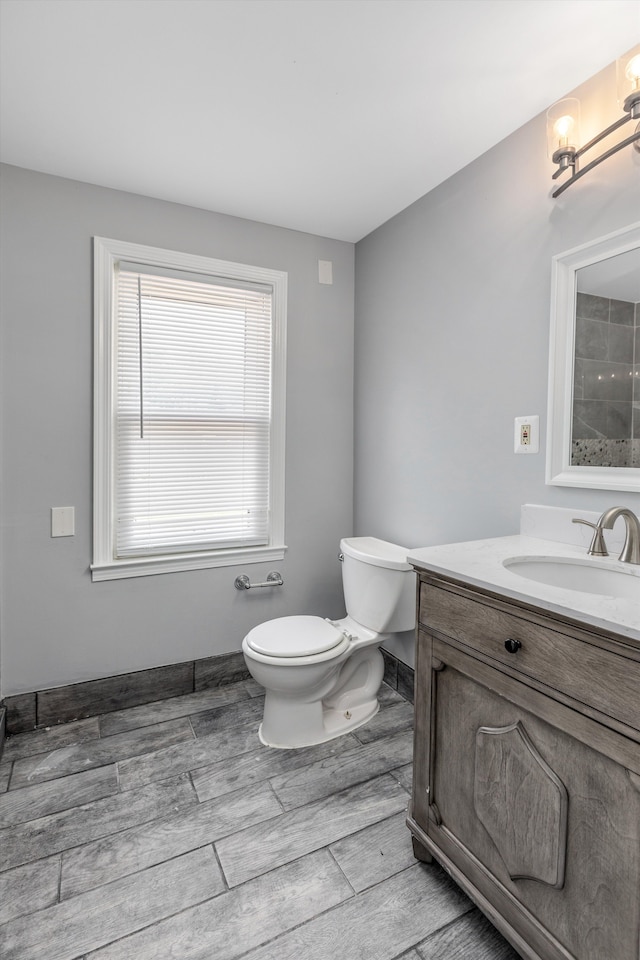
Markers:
512,645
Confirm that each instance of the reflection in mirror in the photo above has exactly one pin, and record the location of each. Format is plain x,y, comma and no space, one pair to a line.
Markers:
606,385
593,437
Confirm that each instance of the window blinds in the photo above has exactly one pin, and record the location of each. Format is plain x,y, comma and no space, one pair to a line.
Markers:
192,397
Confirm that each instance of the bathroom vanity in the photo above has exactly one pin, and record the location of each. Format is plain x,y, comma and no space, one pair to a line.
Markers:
527,747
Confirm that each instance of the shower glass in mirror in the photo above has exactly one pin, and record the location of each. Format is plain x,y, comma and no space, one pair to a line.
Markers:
594,381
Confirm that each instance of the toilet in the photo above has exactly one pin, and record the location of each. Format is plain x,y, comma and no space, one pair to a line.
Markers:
321,677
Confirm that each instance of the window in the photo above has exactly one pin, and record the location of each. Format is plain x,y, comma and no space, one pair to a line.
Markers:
189,411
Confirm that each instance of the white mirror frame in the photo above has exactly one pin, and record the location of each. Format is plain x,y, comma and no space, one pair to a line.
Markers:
559,470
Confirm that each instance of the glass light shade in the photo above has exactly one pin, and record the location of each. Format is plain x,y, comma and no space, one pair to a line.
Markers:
628,75
563,126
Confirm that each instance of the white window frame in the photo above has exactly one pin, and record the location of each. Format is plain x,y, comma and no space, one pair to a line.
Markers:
107,254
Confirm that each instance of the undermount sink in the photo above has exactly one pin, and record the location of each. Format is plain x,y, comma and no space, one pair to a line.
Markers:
587,576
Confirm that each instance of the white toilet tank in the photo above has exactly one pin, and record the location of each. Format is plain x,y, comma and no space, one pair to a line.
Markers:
379,584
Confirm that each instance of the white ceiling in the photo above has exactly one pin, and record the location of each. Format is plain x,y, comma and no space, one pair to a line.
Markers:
327,116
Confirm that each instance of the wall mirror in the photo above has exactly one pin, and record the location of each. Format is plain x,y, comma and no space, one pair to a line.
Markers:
594,365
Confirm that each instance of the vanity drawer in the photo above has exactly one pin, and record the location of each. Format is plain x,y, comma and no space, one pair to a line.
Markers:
596,677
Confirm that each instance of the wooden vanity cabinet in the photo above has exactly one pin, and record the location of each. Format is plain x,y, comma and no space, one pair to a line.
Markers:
527,770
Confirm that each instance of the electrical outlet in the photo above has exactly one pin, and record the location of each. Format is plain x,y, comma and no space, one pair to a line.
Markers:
527,434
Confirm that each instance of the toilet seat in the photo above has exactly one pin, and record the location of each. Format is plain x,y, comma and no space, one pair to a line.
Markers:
302,636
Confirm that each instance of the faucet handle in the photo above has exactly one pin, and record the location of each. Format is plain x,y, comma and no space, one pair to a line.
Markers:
598,547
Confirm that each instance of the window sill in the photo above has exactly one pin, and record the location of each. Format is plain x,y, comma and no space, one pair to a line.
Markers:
151,566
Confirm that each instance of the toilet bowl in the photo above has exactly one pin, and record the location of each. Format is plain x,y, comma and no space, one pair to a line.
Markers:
322,677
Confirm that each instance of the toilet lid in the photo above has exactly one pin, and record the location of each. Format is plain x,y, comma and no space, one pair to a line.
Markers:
294,637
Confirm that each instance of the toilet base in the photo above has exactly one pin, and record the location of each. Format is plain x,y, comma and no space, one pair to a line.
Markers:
334,724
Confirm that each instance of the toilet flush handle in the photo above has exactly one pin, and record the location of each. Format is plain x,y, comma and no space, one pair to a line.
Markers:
341,557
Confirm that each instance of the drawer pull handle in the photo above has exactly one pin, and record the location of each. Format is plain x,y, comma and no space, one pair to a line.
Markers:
512,646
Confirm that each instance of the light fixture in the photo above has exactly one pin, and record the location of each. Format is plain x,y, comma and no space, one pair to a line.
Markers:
563,125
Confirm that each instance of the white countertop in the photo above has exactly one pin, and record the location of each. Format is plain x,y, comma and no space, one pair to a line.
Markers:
480,564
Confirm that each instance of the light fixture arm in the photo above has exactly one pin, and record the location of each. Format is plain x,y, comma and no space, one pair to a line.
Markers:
605,133
634,138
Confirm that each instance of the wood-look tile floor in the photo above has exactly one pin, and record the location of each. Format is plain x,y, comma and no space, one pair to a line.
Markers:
169,831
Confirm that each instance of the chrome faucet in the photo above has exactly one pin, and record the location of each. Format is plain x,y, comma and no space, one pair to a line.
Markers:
631,549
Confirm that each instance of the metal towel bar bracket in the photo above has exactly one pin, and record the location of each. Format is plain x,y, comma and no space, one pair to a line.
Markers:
243,583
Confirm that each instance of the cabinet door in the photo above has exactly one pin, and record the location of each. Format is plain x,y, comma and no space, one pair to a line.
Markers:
547,826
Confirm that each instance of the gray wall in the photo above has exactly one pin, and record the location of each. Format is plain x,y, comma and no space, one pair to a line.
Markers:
452,337
452,327
57,626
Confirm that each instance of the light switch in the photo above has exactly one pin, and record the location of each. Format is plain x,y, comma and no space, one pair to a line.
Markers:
63,521
325,271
